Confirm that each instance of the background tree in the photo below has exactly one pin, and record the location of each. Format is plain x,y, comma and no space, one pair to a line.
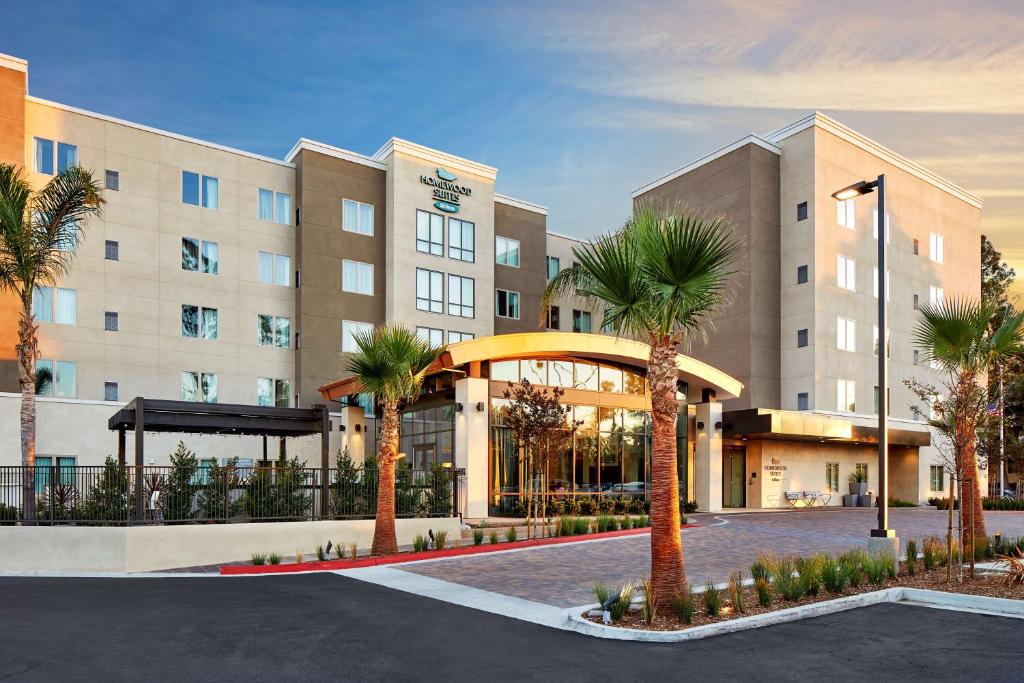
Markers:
542,430
660,279
391,362
39,232
181,485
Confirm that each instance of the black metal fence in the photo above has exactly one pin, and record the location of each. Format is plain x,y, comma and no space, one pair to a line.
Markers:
107,494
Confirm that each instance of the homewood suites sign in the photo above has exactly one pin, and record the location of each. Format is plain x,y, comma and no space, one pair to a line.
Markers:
447,193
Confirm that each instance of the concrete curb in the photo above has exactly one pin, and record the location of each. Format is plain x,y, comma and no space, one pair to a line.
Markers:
1004,607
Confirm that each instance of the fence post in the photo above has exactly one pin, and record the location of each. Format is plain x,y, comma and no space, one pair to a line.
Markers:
140,426
457,475
325,435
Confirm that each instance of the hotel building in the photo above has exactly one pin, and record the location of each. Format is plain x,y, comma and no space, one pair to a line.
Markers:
221,275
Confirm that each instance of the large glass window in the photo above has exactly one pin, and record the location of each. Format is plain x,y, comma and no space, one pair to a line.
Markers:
461,296
273,331
429,290
429,233
275,206
936,479
44,156
272,392
431,335
427,436
274,269
554,265
56,378
200,255
198,322
199,386
349,330
832,477
356,217
506,251
454,336
67,156
506,304
210,192
580,321
190,188
461,240
357,277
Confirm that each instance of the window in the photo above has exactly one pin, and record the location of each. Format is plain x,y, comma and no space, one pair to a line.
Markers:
846,271
801,275
200,256
936,247
846,334
110,321
273,330
55,305
554,265
431,335
461,240
356,217
429,295
67,156
274,269
888,225
357,277
110,391
888,282
917,247
199,190
199,386
198,322
888,400
112,181
802,400
112,250
801,338
888,343
917,302
832,477
801,211
506,253
846,396
461,295
50,469
456,337
429,233
551,321
272,393
275,206
937,478
862,470
349,330
846,214
936,295
506,304
916,356
580,321
44,156
56,378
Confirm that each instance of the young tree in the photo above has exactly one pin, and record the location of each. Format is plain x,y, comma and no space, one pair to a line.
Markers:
181,485
660,278
39,232
542,430
390,363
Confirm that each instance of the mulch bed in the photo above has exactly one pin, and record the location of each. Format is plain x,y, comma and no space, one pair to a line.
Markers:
990,585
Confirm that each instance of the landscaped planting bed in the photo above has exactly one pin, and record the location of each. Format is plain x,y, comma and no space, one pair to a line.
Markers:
783,582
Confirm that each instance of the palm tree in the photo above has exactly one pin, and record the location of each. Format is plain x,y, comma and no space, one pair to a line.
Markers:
958,338
660,277
390,363
39,232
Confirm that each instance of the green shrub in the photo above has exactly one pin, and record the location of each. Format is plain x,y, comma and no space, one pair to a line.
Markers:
764,592
911,557
273,558
339,551
510,535
580,526
650,608
852,563
875,568
645,521
900,503
420,543
930,553
758,571
787,582
809,569
604,523
478,537
9,514
494,537
440,539
600,591
621,606
259,558
690,506
983,549
712,600
736,591
563,526
626,522
833,577
685,605
321,554
1002,504
943,503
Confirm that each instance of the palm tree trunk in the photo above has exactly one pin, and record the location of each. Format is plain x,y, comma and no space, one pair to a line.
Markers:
668,573
385,542
27,351
970,496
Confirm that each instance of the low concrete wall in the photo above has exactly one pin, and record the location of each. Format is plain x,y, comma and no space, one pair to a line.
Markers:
152,548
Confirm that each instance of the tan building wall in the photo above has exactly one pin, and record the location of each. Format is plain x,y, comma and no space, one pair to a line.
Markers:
13,86
529,227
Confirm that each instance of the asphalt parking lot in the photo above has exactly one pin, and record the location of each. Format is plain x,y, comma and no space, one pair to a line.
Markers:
328,627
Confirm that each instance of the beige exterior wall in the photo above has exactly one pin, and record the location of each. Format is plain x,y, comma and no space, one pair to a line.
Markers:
561,246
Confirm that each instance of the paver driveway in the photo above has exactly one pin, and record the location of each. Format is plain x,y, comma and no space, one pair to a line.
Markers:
562,575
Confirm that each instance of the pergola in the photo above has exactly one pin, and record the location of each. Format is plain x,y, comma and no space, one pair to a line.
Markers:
143,415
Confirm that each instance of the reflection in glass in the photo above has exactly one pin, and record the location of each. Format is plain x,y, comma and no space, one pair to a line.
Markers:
611,380
560,373
586,376
536,371
505,371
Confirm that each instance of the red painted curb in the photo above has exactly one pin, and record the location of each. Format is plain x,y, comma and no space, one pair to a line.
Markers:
332,565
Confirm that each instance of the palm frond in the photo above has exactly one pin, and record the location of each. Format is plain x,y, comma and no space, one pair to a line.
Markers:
15,242
391,362
56,214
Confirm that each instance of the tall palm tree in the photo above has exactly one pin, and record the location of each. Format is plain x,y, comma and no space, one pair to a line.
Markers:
660,278
390,363
957,337
39,233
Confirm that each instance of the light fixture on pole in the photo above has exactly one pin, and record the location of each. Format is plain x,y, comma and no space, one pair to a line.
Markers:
857,189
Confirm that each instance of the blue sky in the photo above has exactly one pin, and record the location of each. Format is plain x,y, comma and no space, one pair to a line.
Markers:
576,103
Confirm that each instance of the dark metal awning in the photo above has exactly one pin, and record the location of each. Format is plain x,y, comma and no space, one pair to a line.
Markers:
219,418
791,425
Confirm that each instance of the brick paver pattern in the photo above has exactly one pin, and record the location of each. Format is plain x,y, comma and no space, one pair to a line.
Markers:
562,575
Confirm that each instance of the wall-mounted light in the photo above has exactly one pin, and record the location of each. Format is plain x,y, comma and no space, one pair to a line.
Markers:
458,407
700,425
479,406
718,426
341,428
358,427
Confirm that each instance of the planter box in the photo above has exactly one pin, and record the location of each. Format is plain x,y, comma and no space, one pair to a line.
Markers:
866,501
858,489
850,501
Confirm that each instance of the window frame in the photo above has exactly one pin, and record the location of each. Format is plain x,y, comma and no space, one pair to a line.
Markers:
801,211
431,335
846,214
457,295
846,273
459,252
578,316
434,224
502,250
353,326
41,157
360,271
846,334
936,248
107,175
558,266
846,396
202,331
427,303
111,247
359,228
109,316
511,302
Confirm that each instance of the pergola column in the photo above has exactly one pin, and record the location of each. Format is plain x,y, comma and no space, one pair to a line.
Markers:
707,457
140,433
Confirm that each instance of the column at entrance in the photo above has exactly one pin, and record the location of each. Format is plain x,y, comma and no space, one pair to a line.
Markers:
471,438
707,457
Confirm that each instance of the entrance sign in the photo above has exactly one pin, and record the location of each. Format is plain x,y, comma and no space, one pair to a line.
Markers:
447,193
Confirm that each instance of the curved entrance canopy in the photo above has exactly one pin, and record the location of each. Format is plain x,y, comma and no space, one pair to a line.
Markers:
465,356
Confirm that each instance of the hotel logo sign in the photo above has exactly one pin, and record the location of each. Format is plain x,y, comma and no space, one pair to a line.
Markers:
447,192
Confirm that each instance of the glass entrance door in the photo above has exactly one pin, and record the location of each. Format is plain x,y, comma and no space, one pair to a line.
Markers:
734,469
